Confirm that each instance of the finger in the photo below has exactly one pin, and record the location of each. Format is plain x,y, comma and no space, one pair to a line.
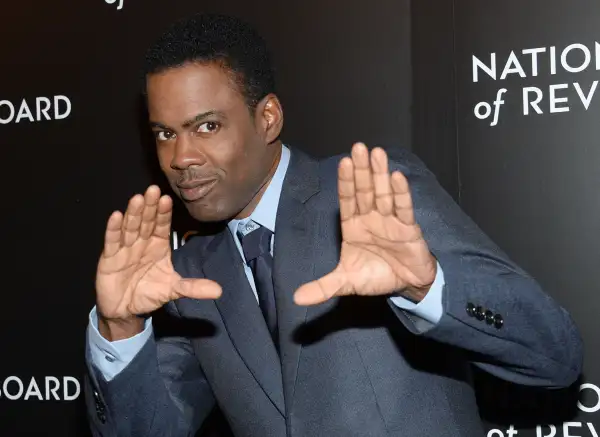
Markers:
112,237
346,190
363,178
151,198
321,290
196,289
130,229
384,200
403,206
164,213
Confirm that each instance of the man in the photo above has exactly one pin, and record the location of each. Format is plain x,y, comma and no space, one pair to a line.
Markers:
342,297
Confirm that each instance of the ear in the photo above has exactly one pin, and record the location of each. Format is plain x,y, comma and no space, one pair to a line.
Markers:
270,117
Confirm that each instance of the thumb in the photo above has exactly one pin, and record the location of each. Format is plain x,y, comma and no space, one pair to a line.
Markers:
323,289
197,289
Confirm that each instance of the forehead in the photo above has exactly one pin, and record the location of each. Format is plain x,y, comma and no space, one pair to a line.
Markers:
190,89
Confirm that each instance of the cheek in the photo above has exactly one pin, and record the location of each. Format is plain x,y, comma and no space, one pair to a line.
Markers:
229,160
237,181
164,157
164,162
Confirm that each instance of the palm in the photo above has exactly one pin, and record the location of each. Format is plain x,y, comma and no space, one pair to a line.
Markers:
144,271
382,246
380,253
135,274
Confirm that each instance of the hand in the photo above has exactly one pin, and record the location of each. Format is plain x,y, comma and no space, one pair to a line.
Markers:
383,250
135,275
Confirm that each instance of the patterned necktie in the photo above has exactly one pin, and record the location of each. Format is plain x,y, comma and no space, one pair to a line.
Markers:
257,250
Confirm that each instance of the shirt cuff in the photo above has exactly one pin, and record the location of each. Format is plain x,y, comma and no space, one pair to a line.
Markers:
111,357
430,308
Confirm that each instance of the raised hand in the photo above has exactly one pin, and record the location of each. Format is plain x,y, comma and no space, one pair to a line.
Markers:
383,250
135,275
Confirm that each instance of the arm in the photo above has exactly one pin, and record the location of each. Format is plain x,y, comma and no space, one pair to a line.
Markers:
161,391
111,357
532,340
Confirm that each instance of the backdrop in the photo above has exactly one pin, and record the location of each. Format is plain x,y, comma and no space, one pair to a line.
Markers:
75,148
511,87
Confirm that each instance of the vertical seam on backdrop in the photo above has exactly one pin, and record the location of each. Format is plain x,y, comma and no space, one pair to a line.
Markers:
411,79
455,79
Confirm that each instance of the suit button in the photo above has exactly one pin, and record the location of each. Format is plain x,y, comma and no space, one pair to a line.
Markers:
471,309
479,314
489,317
102,417
498,321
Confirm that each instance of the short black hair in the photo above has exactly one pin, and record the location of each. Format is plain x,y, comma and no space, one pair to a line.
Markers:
224,40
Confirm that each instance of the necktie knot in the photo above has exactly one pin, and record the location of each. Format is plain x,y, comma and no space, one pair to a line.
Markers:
255,240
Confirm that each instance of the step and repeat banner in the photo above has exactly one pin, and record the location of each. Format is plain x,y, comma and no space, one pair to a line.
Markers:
519,118
528,138
75,147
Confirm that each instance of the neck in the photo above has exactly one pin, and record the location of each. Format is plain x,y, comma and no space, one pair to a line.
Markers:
249,209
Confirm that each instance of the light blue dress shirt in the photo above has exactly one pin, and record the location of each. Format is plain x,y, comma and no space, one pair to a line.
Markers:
112,357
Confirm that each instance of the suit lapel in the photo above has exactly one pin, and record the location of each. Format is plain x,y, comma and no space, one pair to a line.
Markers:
295,235
242,316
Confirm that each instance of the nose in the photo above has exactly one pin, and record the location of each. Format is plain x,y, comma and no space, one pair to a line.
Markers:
187,153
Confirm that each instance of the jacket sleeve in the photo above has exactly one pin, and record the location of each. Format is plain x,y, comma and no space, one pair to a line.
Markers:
162,392
492,309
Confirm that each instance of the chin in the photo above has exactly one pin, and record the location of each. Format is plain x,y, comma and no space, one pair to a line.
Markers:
207,213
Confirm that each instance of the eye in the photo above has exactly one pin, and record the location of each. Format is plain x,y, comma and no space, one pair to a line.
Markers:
164,135
208,127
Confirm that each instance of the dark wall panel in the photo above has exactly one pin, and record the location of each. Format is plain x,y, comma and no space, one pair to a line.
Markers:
531,180
344,75
433,114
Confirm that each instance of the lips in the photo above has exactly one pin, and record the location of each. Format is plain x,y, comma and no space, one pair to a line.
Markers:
196,190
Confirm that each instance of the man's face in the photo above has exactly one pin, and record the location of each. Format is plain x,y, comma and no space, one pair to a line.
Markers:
215,154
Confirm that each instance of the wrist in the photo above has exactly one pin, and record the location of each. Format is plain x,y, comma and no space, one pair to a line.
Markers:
415,294
120,329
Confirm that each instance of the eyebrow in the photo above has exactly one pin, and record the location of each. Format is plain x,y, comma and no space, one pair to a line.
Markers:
190,121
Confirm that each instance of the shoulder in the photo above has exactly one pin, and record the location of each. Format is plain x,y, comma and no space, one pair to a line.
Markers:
400,159
326,172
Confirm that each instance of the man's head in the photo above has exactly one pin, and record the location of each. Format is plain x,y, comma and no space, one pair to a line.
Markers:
212,108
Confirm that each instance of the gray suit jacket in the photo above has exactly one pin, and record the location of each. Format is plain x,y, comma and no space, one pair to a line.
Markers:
354,366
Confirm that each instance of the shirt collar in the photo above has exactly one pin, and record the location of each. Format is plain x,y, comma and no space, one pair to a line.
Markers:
265,212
